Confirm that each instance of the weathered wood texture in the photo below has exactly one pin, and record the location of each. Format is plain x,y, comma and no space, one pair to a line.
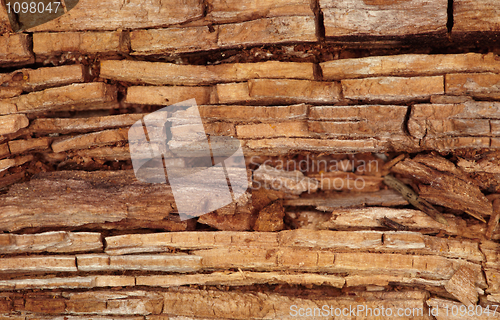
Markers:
62,98
275,30
472,118
131,202
5,26
393,88
42,78
57,241
14,50
236,305
172,74
49,44
444,189
409,65
357,18
111,15
478,85
236,11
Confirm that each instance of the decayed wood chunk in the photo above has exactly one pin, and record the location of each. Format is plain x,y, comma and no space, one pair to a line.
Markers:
450,144
310,260
91,140
479,85
273,130
172,74
4,150
383,18
444,99
249,113
384,198
270,218
99,199
38,264
257,305
288,145
5,26
268,31
442,309
158,242
279,91
42,78
492,276
445,189
413,219
308,91
57,241
162,262
167,95
441,120
489,163
238,221
69,125
47,44
494,219
14,50
72,96
409,65
392,88
68,283
6,92
384,280
235,11
114,303
490,250
462,286
357,121
15,162
347,181
472,16
386,241
242,278
173,40
293,182
88,15
37,144
12,123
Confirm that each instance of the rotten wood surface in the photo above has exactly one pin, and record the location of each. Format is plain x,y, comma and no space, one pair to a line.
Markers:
61,98
357,18
15,50
296,238
444,189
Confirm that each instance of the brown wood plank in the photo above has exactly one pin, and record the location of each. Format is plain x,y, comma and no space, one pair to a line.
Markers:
383,18
111,15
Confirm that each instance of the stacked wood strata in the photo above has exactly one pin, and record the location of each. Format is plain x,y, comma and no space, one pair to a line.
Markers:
82,238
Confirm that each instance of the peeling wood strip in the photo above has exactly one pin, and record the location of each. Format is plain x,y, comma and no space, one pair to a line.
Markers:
407,65
71,96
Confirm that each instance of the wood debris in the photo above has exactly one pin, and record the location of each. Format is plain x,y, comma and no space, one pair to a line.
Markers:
325,99
446,190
